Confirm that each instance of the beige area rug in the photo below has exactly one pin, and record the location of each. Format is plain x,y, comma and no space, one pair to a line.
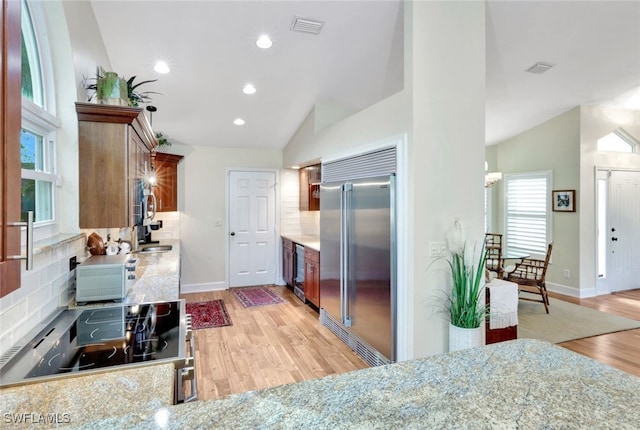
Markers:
566,321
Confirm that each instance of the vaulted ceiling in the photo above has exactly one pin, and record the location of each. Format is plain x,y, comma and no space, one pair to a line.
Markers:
355,61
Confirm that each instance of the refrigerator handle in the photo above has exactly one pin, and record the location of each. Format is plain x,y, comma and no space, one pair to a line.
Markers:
346,229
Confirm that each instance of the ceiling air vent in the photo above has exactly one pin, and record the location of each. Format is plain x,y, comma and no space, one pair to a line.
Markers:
306,25
539,68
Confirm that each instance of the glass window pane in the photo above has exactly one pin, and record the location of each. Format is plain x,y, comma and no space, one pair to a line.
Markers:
37,196
601,214
27,85
31,71
31,151
526,215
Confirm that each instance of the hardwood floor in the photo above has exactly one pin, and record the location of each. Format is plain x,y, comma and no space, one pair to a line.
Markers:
620,350
266,346
279,344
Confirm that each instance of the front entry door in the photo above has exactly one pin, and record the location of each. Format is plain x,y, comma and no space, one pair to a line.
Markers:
624,230
252,228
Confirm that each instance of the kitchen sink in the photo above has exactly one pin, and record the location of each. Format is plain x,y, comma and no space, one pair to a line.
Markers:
155,248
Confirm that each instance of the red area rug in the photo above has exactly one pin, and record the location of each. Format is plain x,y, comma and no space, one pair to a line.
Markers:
257,296
208,314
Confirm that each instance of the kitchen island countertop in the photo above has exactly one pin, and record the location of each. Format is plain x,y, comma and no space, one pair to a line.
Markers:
523,384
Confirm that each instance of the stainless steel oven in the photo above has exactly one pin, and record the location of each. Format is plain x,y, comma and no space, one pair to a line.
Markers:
88,340
186,388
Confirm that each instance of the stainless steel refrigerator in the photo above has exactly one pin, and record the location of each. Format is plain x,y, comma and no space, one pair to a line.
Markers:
358,265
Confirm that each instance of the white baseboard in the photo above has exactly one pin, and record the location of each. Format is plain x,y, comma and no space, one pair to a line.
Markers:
202,288
571,291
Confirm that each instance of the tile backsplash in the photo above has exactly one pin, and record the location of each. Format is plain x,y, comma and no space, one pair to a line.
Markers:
43,290
292,220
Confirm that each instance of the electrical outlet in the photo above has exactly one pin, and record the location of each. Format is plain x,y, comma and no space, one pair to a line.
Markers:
73,262
437,249
566,273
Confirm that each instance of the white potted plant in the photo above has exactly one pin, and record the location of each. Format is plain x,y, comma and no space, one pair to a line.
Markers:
466,306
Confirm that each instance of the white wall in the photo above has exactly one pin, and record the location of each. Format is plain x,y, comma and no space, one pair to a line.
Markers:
567,145
447,149
50,285
441,111
88,47
202,182
597,122
553,145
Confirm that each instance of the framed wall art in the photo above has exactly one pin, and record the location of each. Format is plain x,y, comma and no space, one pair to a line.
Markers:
564,200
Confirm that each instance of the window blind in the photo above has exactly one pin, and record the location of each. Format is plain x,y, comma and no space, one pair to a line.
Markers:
527,215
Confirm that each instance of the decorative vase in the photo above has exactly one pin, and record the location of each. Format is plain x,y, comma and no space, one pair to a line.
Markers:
112,90
463,338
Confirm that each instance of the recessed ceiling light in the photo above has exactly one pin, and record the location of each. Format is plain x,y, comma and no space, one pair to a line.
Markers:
249,89
161,67
264,42
238,121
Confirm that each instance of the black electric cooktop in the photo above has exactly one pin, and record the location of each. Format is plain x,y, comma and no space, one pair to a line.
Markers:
81,341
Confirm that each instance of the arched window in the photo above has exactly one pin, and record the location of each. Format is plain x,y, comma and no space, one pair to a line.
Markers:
39,124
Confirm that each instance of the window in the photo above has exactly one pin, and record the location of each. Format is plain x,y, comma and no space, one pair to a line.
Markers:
37,139
618,141
601,222
527,213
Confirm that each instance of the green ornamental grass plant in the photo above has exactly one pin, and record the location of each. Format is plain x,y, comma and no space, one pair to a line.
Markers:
466,308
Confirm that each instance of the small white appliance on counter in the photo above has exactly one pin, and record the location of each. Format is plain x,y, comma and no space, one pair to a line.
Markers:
103,277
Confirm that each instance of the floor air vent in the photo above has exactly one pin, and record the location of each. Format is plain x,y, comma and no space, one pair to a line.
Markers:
362,348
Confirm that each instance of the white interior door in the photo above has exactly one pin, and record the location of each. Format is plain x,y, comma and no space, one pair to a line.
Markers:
624,230
252,228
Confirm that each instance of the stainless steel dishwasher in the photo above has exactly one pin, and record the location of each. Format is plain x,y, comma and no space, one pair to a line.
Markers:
298,287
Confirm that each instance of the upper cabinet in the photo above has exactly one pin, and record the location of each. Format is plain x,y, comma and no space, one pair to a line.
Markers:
166,190
310,178
10,102
114,145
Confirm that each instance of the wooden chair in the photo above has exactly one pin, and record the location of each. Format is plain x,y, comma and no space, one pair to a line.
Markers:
530,276
493,247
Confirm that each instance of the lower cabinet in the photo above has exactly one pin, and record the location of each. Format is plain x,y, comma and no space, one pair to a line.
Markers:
312,276
288,257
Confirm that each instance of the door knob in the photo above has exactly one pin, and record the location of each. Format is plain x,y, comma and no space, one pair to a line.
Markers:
233,233
613,229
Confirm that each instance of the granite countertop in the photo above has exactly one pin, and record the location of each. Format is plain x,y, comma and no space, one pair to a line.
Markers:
311,241
524,383
72,401
143,390
157,277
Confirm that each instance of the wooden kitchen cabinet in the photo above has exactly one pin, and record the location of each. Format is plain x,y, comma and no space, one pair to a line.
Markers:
288,258
166,190
114,145
10,120
312,276
310,178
